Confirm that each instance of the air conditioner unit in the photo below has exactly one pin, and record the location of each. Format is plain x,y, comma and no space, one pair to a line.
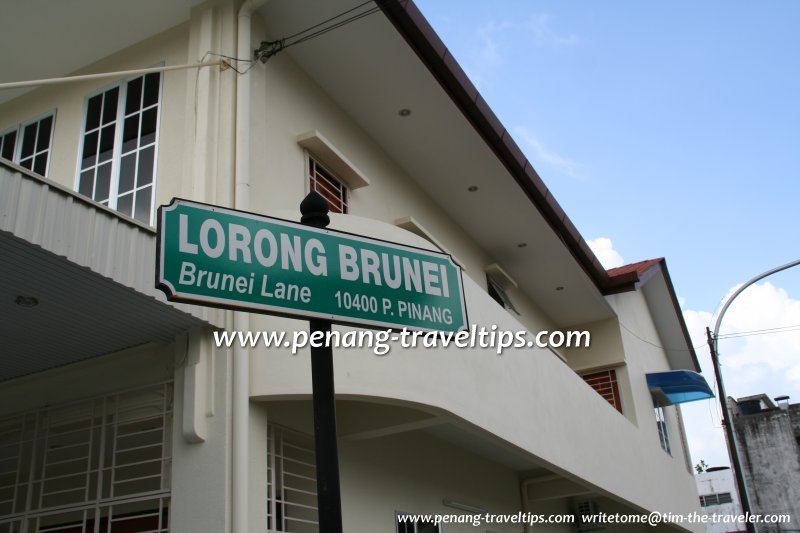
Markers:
583,510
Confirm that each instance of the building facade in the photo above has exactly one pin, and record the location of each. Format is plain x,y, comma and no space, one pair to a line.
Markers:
719,499
119,412
768,437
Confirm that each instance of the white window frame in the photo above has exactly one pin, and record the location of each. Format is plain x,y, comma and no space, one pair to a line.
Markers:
309,157
20,129
663,429
116,158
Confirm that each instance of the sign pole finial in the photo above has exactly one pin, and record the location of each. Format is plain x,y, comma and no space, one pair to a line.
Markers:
314,209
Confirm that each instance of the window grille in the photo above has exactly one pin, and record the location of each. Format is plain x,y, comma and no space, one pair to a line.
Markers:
499,294
291,482
97,465
605,384
331,188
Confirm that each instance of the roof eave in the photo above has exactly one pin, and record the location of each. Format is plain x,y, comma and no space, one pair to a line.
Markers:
419,34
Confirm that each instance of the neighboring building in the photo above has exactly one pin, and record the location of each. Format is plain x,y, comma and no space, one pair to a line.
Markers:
719,497
117,411
768,437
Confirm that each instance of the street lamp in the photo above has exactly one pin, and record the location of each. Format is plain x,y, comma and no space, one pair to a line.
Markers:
733,451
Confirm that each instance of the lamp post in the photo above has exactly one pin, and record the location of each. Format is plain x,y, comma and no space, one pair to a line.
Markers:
713,339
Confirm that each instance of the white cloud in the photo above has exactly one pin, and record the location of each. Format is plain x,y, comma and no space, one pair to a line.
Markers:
497,40
603,248
543,154
541,27
767,363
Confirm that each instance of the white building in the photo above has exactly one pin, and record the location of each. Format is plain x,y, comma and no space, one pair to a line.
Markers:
719,497
118,413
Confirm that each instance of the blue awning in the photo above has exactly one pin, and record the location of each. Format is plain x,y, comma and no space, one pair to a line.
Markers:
678,386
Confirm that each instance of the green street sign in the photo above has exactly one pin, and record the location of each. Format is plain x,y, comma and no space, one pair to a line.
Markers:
221,257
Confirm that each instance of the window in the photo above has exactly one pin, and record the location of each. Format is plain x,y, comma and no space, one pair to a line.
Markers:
406,525
605,384
663,435
101,463
715,499
28,144
328,185
119,146
291,481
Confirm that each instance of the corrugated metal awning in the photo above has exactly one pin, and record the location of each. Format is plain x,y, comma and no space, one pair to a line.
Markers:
91,273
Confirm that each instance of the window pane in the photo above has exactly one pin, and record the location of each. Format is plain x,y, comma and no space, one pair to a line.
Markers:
28,141
93,112
125,204
145,172
103,182
106,143
143,205
110,105
43,141
40,166
9,141
151,89
130,134
89,150
86,183
149,119
26,163
134,97
127,173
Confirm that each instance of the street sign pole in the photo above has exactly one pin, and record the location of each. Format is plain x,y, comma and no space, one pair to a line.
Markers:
314,210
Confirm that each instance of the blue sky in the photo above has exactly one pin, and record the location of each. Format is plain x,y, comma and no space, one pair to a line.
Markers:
671,129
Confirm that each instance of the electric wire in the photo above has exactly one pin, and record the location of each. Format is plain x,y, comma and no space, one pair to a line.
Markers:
626,328
271,48
781,329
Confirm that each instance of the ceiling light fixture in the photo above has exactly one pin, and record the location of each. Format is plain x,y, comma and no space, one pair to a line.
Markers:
404,112
560,288
522,245
472,188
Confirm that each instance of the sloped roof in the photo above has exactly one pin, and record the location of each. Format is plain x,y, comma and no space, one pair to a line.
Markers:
643,272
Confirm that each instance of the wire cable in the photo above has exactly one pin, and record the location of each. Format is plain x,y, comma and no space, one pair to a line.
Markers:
270,48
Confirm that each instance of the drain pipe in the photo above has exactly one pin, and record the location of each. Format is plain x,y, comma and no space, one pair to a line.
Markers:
241,321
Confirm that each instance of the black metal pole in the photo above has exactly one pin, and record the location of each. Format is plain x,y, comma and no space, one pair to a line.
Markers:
314,209
727,423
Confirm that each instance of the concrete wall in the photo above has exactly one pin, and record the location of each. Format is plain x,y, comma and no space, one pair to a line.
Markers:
771,461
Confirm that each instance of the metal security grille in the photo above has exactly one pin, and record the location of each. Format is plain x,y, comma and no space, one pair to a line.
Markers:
99,465
605,383
291,482
324,182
